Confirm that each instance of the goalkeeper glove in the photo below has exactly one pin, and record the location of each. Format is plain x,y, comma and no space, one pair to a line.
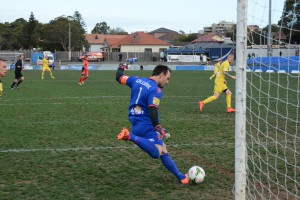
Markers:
162,132
123,66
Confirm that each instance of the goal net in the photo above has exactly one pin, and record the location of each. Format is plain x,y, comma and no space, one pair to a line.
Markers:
272,126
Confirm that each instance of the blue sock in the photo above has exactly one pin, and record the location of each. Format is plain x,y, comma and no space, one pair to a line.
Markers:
171,166
146,145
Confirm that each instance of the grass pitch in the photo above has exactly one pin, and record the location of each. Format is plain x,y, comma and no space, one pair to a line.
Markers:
58,139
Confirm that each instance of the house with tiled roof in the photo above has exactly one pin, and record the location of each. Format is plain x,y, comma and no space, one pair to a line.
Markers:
161,32
111,44
142,42
169,36
210,38
135,42
97,41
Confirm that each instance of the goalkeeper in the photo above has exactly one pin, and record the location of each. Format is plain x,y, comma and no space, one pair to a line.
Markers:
147,132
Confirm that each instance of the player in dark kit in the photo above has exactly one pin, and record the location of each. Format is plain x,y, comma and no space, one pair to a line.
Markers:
143,114
18,73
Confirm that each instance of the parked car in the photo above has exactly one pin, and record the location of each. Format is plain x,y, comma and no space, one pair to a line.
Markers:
50,58
93,56
132,60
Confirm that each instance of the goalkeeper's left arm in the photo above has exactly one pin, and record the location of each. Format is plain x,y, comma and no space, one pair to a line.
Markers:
153,113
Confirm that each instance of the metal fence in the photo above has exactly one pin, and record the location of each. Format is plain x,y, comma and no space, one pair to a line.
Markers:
109,56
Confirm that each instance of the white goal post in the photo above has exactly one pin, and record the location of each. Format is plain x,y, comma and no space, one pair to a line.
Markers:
267,120
240,116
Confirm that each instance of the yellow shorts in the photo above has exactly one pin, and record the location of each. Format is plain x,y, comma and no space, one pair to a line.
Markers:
46,69
220,87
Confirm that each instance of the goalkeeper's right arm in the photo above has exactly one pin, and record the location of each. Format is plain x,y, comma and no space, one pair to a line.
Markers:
120,77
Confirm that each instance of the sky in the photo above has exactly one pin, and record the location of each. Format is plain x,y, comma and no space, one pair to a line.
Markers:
189,16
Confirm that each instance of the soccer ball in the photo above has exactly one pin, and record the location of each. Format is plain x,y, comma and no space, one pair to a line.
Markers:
196,174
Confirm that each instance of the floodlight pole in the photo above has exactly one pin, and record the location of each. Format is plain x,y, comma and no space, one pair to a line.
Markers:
240,103
193,52
69,42
270,37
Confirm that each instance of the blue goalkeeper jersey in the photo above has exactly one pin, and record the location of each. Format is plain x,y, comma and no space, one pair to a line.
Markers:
144,93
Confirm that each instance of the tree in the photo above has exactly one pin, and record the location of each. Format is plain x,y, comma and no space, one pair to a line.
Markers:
78,17
12,35
257,37
274,29
231,33
20,33
2,39
6,36
117,31
101,28
56,34
77,35
260,36
37,35
290,21
31,28
188,37
181,32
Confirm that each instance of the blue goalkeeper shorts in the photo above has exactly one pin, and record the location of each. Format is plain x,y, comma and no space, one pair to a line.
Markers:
147,132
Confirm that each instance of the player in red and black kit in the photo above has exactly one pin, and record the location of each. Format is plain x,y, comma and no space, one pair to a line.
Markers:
84,71
18,73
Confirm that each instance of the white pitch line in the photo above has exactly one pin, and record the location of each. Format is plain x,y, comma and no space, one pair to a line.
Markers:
87,103
11,101
87,97
105,147
60,149
21,104
58,98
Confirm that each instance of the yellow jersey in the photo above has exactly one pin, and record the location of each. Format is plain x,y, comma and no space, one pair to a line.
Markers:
45,63
217,67
220,77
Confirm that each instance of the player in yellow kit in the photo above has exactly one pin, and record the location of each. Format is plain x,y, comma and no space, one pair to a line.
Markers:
46,67
221,85
217,67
